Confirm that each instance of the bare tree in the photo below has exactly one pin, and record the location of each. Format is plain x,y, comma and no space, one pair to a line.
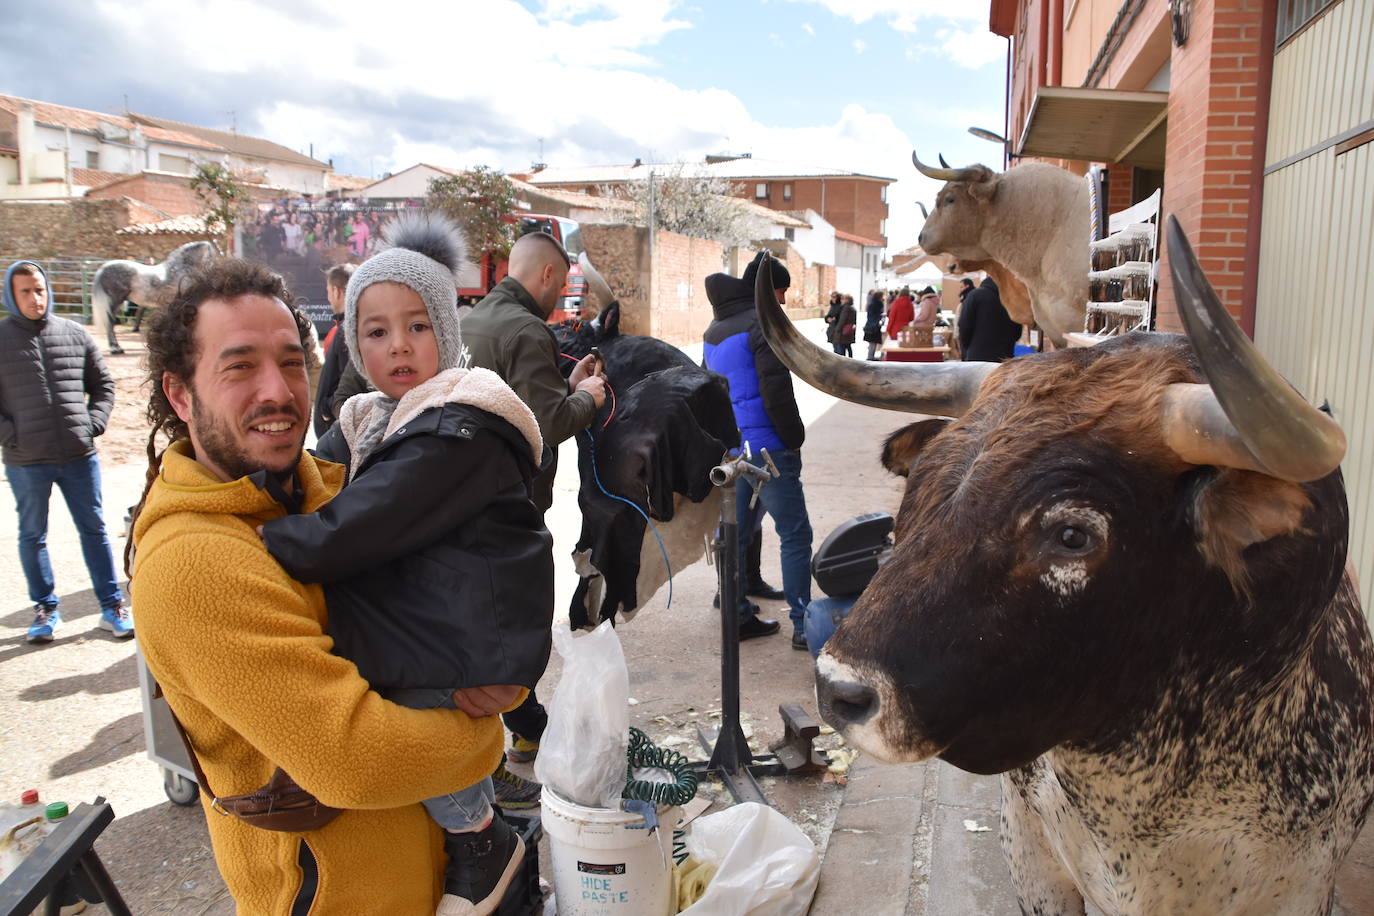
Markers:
691,204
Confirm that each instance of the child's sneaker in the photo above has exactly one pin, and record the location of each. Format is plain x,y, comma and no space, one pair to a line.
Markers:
515,792
522,750
117,620
480,868
45,620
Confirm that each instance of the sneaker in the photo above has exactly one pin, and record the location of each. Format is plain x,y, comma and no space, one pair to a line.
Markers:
480,868
45,620
799,641
522,750
515,792
118,621
757,626
761,589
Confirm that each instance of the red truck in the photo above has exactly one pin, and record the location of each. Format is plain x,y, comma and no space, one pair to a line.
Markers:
489,271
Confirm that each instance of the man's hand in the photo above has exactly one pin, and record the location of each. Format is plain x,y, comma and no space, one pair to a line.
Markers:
585,369
596,387
485,701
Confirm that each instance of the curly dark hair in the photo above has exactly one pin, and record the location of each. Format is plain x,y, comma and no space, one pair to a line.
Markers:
171,342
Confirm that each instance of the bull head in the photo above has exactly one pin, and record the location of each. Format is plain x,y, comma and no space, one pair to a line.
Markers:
956,225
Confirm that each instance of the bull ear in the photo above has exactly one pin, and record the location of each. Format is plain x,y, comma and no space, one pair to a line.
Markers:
610,322
1235,509
903,447
984,187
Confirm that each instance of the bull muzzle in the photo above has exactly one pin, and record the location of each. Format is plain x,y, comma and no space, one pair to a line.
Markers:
844,703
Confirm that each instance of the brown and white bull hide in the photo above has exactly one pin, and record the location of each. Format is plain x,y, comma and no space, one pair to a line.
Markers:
1032,220
1013,293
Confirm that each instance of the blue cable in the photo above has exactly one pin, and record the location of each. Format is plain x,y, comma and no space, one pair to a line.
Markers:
661,549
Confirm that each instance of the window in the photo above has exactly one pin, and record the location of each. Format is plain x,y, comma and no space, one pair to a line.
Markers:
1295,14
178,164
790,234
761,191
884,193
787,192
92,159
882,227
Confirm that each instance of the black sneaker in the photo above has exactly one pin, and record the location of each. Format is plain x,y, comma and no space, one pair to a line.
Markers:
761,589
757,626
480,868
515,792
799,641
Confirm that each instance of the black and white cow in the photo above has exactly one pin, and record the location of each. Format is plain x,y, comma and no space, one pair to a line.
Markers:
148,285
654,442
1120,580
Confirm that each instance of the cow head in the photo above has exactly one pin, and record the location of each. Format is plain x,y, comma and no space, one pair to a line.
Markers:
961,207
1092,525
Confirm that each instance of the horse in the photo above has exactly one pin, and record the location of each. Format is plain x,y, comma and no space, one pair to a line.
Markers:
146,285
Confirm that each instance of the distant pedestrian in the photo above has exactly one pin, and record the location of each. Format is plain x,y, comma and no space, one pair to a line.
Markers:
335,357
845,322
928,309
55,399
873,322
986,331
900,313
965,287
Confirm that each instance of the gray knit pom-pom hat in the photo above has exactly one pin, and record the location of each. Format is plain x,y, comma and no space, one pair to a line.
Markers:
425,251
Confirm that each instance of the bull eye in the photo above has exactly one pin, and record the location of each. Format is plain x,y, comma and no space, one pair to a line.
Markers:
949,199
1073,538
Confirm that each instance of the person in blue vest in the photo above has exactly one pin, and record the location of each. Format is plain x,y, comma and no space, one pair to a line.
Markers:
766,413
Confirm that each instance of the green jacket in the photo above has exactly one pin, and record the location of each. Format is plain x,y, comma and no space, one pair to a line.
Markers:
507,333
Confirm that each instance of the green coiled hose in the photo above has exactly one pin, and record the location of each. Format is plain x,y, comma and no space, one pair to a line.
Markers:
643,753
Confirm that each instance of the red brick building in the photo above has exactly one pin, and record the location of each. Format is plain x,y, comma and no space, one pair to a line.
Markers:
849,201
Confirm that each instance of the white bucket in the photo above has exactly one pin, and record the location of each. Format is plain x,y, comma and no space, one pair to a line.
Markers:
603,867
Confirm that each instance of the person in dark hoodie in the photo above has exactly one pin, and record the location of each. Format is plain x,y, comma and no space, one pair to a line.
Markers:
766,414
986,332
55,399
437,567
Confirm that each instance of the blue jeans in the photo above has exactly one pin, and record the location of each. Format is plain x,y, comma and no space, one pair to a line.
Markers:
781,498
462,810
79,481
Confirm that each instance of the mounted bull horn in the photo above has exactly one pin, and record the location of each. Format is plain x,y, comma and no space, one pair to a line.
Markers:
1248,416
946,173
943,163
596,282
939,389
924,211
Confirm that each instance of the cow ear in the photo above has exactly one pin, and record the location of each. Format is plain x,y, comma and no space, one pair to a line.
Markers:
984,188
610,322
903,447
1236,509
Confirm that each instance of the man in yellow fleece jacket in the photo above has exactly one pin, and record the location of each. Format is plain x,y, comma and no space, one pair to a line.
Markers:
240,648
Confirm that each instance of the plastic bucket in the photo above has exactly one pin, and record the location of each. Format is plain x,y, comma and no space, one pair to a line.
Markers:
604,867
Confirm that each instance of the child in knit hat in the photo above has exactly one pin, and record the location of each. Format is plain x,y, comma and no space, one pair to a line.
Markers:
437,567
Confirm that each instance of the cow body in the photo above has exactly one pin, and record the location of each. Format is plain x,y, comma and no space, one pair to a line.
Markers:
1033,221
653,443
1167,662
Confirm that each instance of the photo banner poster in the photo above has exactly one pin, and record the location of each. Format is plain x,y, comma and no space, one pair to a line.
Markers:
302,238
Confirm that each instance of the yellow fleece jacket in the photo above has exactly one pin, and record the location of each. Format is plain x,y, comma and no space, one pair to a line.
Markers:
241,653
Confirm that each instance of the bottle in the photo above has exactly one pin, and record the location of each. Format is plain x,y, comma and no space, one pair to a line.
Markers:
54,813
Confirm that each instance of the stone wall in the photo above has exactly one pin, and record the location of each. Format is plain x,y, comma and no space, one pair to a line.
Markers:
81,227
682,264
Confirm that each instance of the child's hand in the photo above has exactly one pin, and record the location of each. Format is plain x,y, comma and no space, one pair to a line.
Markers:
485,701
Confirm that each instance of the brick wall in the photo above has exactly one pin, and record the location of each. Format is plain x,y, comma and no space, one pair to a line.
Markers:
1210,150
849,204
621,255
171,194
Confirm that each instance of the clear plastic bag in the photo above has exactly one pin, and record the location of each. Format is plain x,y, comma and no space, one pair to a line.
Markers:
582,753
765,865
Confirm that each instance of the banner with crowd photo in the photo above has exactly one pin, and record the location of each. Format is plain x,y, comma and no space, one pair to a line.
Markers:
303,238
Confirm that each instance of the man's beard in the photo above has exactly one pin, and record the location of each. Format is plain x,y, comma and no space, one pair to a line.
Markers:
217,443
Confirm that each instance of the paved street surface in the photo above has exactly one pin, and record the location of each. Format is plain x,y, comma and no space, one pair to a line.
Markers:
917,839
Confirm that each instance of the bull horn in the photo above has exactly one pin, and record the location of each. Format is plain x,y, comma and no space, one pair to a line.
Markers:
1247,416
939,389
924,211
945,174
941,157
596,282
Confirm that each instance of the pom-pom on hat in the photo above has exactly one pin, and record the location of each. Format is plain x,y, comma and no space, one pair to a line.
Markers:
424,252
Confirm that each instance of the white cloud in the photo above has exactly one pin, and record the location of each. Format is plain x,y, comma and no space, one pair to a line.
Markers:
903,15
808,29
974,48
860,46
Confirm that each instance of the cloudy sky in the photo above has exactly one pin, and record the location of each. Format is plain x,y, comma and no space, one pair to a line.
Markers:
378,85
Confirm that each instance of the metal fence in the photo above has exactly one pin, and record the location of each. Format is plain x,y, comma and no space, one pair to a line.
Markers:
69,282
1294,14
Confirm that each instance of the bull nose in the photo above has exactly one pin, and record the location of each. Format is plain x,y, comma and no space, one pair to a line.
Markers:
844,703
921,240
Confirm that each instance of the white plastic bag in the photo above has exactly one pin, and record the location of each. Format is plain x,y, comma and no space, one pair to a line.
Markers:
582,753
765,865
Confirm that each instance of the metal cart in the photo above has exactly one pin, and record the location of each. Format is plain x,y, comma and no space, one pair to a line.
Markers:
165,747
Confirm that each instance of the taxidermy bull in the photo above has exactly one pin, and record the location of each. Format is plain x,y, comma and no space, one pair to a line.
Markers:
147,285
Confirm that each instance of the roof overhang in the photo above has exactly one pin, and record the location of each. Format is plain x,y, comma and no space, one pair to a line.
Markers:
1096,125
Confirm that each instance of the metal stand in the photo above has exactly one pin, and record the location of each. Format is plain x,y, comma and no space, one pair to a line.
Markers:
66,862
730,758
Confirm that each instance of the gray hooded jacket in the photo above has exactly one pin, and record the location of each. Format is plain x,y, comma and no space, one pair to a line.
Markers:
55,392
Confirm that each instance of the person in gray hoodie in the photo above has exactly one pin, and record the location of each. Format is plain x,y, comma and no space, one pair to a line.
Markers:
55,399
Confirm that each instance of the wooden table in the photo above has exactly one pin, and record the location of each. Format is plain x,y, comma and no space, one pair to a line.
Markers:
895,354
